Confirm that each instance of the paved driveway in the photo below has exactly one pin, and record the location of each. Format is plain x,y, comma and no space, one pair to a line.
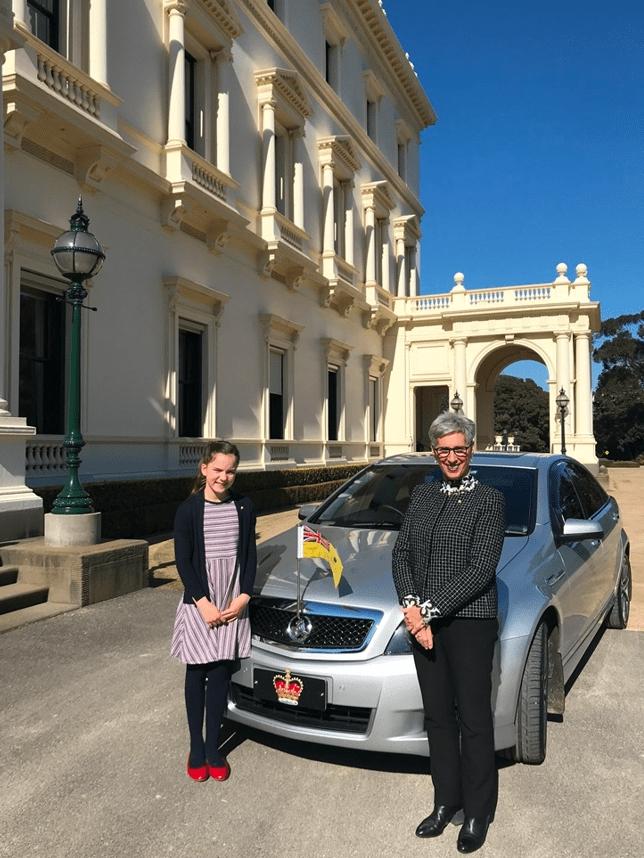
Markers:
93,744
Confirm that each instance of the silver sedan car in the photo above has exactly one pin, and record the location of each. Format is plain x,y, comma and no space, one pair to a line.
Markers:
344,674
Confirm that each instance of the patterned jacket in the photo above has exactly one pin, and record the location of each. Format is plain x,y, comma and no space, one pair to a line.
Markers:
448,549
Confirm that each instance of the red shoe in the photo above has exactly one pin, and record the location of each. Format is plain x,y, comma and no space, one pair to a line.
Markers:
197,773
219,773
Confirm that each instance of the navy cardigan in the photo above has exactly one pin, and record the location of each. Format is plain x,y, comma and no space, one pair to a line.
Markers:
190,551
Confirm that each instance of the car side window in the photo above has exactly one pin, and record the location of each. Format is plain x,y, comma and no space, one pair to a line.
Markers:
591,494
567,500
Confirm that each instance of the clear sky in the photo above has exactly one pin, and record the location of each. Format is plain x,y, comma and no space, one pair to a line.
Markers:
538,153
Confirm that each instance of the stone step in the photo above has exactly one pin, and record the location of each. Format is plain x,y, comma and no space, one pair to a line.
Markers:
8,575
42,611
15,597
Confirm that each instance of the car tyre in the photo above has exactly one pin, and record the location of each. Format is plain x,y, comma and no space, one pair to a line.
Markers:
532,716
618,614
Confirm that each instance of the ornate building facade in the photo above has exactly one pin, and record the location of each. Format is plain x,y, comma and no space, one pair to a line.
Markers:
251,168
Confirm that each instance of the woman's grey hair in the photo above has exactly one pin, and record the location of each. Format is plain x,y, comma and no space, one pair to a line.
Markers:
448,422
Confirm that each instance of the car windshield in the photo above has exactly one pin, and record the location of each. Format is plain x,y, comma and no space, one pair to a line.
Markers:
379,496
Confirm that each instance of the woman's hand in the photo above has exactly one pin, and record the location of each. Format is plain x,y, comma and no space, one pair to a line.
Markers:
210,614
425,637
413,619
235,608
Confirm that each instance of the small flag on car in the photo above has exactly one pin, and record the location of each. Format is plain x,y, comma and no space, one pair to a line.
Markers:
311,543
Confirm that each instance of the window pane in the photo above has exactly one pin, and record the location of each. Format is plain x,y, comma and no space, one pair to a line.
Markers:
42,361
374,416
190,66
44,19
333,410
592,495
276,410
190,393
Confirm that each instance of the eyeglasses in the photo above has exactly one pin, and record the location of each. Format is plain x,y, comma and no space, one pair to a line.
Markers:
459,452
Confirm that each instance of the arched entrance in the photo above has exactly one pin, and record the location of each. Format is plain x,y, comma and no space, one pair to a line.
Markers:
487,374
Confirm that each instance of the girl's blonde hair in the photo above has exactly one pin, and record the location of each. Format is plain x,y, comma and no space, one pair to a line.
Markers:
209,452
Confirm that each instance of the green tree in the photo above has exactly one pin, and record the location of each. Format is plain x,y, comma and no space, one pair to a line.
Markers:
521,409
619,396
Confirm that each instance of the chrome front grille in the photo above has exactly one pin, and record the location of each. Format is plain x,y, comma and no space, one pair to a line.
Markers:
269,620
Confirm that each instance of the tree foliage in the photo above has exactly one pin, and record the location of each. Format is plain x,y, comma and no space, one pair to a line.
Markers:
521,409
619,397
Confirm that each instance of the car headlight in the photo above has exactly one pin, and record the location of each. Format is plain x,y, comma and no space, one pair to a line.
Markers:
400,643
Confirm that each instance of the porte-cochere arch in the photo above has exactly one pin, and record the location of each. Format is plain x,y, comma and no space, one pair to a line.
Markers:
460,341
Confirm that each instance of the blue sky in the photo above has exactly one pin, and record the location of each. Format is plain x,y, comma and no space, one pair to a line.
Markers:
538,153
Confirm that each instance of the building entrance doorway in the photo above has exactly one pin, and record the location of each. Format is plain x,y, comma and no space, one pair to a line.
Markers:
429,401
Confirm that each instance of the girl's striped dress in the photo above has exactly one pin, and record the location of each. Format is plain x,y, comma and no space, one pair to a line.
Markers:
193,641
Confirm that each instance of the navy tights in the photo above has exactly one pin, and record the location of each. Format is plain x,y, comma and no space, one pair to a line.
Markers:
206,689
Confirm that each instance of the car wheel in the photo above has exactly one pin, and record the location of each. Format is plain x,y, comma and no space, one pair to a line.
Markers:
618,615
532,716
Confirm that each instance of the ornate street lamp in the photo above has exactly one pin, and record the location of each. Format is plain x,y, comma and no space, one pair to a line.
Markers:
456,403
78,256
562,404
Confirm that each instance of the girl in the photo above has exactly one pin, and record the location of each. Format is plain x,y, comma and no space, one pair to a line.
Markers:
216,555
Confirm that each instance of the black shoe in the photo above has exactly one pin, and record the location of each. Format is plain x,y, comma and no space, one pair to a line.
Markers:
473,833
437,821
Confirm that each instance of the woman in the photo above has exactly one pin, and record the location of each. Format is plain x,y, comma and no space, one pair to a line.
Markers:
216,557
444,565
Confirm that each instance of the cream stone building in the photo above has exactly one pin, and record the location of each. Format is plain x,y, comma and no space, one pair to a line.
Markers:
251,169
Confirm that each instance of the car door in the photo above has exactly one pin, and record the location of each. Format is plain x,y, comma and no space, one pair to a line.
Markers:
599,507
573,583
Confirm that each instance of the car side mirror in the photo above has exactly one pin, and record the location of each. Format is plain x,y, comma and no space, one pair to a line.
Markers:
576,529
307,510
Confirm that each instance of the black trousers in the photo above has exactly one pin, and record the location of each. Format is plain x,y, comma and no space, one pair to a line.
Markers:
455,679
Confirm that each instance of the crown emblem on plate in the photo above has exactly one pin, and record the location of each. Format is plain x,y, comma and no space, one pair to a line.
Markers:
288,688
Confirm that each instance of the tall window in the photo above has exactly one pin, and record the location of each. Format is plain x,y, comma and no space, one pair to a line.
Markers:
276,398
42,361
402,159
44,19
341,198
333,403
190,383
374,409
191,109
332,64
381,247
284,172
371,118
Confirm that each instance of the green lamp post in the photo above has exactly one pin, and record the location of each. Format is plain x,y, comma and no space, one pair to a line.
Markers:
78,256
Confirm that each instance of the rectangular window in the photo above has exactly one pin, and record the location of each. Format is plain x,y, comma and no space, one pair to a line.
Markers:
333,407
331,64
191,108
44,19
276,398
374,409
402,160
190,383
284,173
371,118
380,250
42,361
339,217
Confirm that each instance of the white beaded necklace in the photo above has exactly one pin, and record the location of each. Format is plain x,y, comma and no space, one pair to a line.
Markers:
467,484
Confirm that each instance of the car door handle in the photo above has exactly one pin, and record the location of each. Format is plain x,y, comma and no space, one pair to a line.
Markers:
554,578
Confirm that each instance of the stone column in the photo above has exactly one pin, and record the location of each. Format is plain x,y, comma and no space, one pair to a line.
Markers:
583,388
21,12
21,511
177,73
370,227
413,273
460,371
298,177
328,243
401,267
563,381
223,111
268,156
384,263
348,222
98,40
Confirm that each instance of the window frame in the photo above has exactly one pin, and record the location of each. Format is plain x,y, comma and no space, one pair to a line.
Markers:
189,326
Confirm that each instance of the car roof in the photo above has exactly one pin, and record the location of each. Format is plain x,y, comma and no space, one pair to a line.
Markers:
505,460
